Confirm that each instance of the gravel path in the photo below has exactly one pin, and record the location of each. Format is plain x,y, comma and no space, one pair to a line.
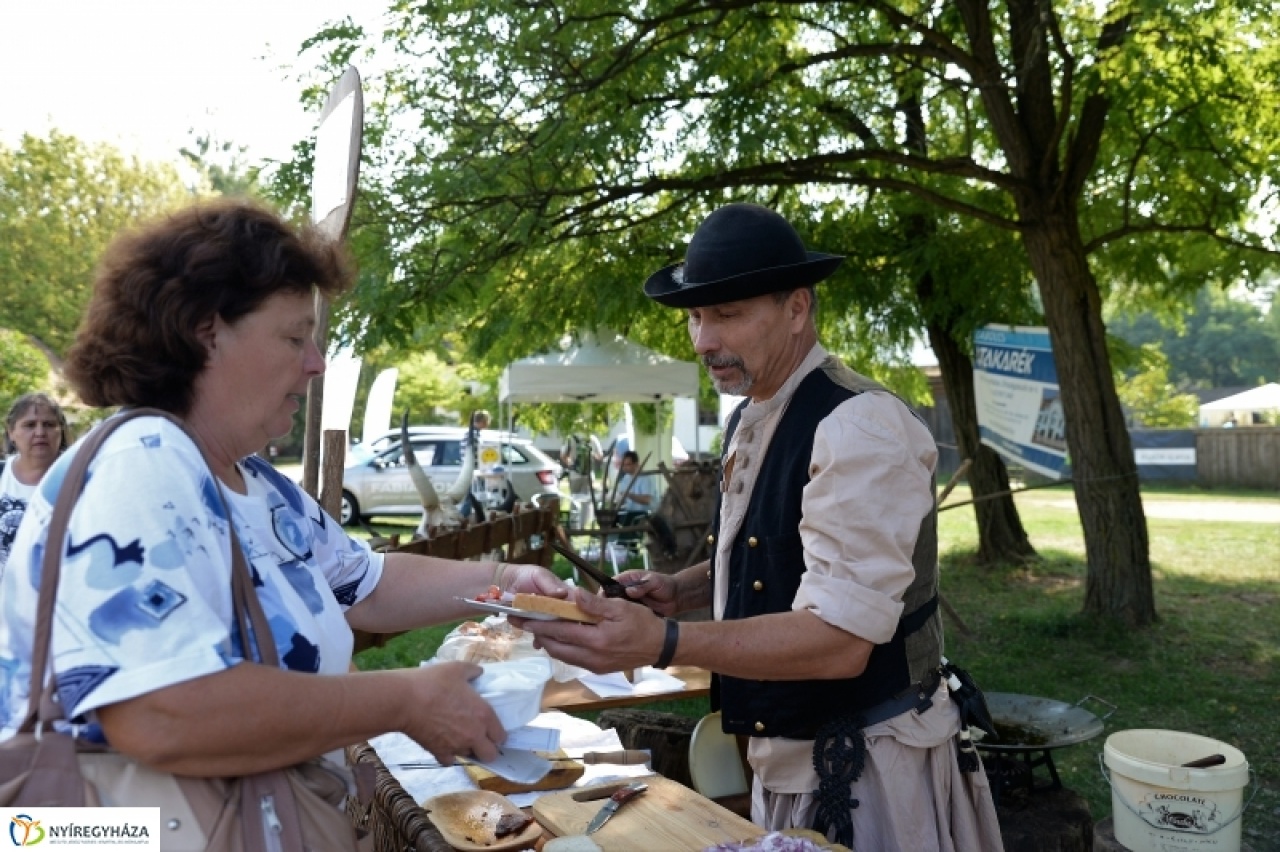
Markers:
1261,512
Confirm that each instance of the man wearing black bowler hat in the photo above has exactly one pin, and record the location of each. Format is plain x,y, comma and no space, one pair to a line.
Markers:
827,641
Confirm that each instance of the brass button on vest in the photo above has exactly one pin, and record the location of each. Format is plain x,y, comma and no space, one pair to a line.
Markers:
711,539
757,585
759,726
753,541
708,573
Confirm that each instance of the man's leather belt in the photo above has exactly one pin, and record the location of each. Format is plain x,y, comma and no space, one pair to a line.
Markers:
915,696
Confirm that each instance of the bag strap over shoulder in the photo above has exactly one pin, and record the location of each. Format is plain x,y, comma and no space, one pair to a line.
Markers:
254,628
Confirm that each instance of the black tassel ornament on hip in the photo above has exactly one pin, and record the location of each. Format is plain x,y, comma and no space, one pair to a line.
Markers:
839,756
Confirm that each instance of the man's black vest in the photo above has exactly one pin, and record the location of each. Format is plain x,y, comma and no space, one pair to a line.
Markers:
767,562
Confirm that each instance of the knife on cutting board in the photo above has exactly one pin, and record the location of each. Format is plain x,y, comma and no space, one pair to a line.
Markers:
620,797
627,757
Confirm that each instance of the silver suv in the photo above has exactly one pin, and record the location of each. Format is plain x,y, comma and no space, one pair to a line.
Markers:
376,481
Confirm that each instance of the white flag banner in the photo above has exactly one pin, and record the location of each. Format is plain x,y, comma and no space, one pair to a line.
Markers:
329,175
1015,383
341,375
377,409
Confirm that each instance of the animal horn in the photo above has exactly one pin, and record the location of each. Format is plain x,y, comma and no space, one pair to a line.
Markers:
421,481
462,485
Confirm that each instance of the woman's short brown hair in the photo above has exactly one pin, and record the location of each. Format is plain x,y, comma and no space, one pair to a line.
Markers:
156,286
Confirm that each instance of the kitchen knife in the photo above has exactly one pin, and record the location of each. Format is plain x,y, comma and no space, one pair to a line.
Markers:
612,588
617,800
628,757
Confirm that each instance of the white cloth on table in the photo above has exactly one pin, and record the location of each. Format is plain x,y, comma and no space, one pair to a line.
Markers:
648,681
576,735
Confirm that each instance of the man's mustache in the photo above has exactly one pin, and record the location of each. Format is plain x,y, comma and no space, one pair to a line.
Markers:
710,361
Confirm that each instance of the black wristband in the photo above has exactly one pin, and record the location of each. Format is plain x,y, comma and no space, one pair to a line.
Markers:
669,643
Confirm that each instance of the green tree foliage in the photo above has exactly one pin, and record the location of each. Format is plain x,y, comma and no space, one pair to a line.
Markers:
430,390
1219,342
221,166
1153,400
541,158
23,368
61,201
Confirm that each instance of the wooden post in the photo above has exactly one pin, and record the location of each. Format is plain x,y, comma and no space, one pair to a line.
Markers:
335,456
315,406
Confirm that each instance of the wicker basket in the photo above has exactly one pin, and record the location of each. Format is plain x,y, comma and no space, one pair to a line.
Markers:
395,820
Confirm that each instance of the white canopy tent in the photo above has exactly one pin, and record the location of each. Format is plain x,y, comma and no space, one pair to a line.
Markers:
601,368
608,368
1262,398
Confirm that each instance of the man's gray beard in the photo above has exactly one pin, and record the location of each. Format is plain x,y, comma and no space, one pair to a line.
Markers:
738,388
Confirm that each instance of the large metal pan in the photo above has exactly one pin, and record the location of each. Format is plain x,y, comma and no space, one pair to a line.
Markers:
1031,723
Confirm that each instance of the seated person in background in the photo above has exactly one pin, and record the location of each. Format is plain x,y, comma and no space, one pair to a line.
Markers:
636,493
639,504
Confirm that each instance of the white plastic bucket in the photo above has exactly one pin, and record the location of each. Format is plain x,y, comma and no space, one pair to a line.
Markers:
1158,805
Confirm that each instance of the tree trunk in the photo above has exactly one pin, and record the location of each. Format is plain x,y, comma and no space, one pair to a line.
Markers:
1103,469
1001,537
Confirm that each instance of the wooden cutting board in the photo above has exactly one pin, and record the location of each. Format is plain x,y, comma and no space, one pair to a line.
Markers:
564,771
666,816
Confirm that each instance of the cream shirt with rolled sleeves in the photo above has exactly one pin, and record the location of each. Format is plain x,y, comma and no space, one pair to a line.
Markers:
871,472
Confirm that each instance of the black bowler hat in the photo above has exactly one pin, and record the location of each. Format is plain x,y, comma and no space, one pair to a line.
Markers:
738,252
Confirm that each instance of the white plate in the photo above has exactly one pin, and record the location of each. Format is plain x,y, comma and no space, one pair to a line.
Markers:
501,609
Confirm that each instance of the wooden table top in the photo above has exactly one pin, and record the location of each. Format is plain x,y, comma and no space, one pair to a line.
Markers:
573,696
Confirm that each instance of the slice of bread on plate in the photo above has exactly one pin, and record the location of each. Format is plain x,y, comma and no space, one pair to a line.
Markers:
567,610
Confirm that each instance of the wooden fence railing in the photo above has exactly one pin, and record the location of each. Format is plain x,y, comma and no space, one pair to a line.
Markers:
523,535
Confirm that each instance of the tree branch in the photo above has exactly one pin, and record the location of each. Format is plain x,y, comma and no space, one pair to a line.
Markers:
1130,229
1083,152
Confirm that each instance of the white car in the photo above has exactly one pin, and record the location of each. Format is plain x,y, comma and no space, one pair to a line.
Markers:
376,481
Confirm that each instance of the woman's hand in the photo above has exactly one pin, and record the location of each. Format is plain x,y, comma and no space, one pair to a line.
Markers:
533,579
448,717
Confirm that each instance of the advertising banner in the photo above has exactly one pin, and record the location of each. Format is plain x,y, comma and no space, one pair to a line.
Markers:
1165,454
1015,384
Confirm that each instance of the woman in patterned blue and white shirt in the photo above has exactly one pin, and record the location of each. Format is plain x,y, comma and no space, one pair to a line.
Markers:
208,314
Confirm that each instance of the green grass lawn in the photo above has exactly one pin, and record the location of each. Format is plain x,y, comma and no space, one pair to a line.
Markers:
1210,665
